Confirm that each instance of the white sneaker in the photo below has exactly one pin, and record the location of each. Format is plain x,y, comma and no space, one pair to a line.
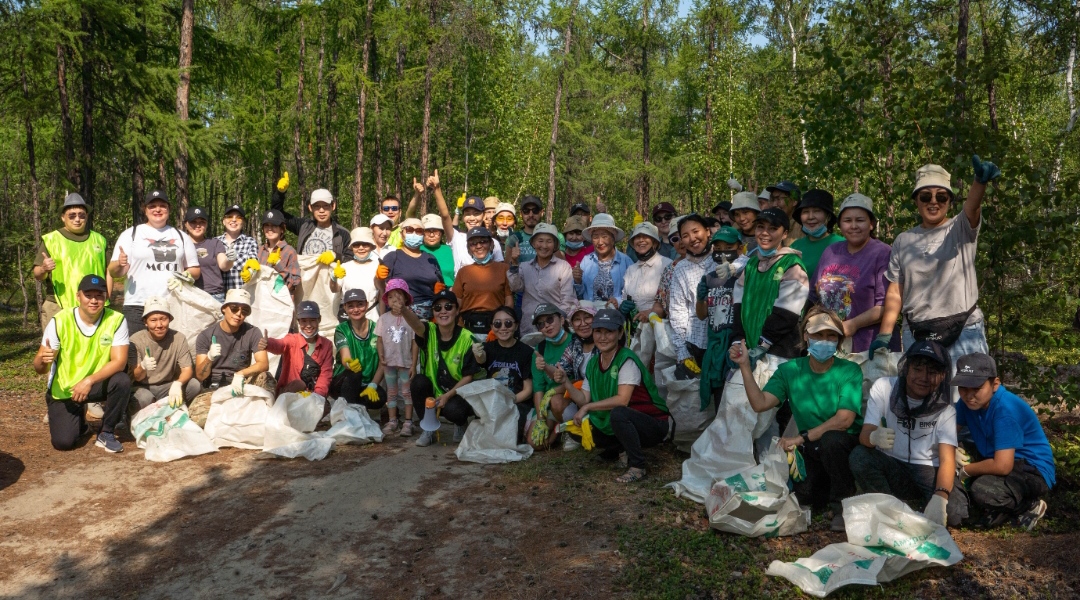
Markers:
426,439
94,410
569,444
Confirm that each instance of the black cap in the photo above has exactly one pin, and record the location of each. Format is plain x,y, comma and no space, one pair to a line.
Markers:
273,217
237,209
725,205
93,282
712,222
527,200
815,198
446,294
155,195
354,295
774,216
73,199
308,310
929,349
478,232
608,318
582,207
663,207
546,308
973,370
784,186
473,202
194,212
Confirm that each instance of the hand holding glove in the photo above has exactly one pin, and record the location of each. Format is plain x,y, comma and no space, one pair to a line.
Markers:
985,172
215,349
237,386
627,308
935,509
439,286
734,185
339,271
370,393
173,284
273,258
962,457
702,290
283,183
796,465
883,438
148,363
461,202
184,276
327,257
176,395
724,270
353,364
756,353
881,340
478,352
655,319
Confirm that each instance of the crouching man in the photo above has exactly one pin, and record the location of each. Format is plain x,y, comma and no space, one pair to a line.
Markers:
85,350
161,365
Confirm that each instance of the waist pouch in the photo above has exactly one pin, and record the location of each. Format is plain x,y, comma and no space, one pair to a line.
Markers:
943,330
477,321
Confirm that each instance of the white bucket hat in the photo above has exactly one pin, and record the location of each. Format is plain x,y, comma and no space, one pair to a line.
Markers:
603,221
932,176
362,235
155,304
237,296
547,228
857,200
745,200
646,228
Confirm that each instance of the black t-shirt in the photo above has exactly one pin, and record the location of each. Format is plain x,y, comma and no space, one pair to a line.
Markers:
237,350
510,366
442,376
421,273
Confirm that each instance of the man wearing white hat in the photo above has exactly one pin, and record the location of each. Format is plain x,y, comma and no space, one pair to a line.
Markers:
320,233
360,271
601,274
161,365
643,277
932,269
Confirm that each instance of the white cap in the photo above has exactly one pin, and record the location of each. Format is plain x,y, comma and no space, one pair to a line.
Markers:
432,221
237,296
155,304
506,207
321,195
362,235
380,219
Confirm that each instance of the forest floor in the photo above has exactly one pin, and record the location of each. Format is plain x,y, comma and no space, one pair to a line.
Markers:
393,520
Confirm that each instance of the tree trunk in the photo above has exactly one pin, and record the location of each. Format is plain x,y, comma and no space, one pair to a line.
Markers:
22,286
320,168
643,180
991,87
67,133
1070,68
710,45
961,68
333,143
86,163
297,155
555,121
361,125
425,132
35,208
380,188
183,90
399,176
138,186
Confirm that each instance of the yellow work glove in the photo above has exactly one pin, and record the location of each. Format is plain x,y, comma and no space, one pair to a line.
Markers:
327,257
283,183
274,257
461,201
585,431
370,393
655,318
692,366
353,365
796,466
339,271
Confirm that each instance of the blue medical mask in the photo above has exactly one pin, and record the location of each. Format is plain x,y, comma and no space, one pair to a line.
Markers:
814,233
575,245
484,260
767,253
413,240
555,340
821,350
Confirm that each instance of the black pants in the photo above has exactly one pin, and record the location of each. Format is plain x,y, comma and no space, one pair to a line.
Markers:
1012,494
634,431
457,410
877,472
67,418
523,409
828,475
348,385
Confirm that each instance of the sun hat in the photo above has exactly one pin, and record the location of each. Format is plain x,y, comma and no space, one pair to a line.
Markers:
155,304
491,202
815,198
411,222
73,199
431,221
237,296
645,228
745,201
575,223
546,228
603,221
396,284
932,176
505,207
362,235
857,200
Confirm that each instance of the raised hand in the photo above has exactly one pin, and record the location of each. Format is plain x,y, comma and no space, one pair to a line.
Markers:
47,263
541,364
433,180
123,259
48,355
283,183
417,186
577,274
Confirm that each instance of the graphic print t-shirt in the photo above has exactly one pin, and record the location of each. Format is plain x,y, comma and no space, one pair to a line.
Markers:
153,255
321,240
509,366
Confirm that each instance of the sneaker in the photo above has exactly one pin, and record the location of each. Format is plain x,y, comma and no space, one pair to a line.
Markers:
569,444
390,427
108,441
459,433
406,429
94,410
837,523
426,439
992,519
1031,516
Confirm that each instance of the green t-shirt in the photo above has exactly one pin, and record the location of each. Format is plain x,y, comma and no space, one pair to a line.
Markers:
444,255
362,348
552,355
811,251
815,397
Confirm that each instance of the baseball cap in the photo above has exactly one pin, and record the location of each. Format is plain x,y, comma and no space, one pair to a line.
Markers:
609,319
308,310
446,294
478,232
774,216
93,282
725,205
236,208
194,212
823,322
932,350
546,308
473,202
727,234
155,304
73,199
431,221
575,223
972,370
273,217
784,186
663,207
491,202
533,200
379,219
155,195
354,295
580,206
321,195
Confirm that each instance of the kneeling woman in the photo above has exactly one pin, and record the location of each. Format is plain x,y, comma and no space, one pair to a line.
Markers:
445,363
620,399
825,395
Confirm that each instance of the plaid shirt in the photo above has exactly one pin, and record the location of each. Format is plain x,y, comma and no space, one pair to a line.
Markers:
288,264
246,248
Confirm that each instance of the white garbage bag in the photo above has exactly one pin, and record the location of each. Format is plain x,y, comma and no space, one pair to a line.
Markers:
883,365
665,355
727,445
289,423
239,422
684,403
492,437
315,279
644,343
271,306
193,310
167,434
756,501
351,424
886,540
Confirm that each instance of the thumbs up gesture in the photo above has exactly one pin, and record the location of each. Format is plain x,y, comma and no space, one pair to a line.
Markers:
47,263
48,355
559,376
261,344
577,272
123,259
724,269
478,352
433,180
283,183
541,364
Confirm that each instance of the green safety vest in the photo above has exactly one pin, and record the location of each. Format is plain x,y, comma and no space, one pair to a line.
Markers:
74,260
605,384
452,357
760,291
81,356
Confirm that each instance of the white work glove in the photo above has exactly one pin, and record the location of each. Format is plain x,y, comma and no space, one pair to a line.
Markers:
962,457
214,352
883,438
174,283
734,185
176,395
148,363
935,509
237,386
184,276
724,270
478,352
230,255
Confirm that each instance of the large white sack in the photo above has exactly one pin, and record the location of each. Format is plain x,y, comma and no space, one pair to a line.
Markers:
350,424
193,310
683,400
315,279
883,365
756,501
288,424
492,437
271,306
886,540
727,445
239,422
644,343
167,434
665,348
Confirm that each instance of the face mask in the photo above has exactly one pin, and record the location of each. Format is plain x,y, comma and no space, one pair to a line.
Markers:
485,260
310,337
766,253
721,255
646,256
502,233
555,340
363,260
821,350
814,233
704,252
575,245
413,240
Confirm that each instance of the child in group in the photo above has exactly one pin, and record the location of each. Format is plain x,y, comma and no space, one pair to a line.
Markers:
277,253
397,355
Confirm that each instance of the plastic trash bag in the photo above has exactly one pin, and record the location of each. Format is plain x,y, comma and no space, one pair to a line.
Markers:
886,540
239,422
492,437
315,278
271,307
350,424
756,501
684,403
884,365
289,423
193,310
727,445
167,434
665,354
644,343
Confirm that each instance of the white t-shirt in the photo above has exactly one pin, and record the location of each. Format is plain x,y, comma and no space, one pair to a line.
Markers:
917,442
120,338
629,374
381,253
459,244
362,275
153,255
320,240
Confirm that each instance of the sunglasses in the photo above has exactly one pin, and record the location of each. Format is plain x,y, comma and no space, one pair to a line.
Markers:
530,210
412,229
389,208
234,308
445,306
544,321
499,324
479,241
664,218
940,198
76,215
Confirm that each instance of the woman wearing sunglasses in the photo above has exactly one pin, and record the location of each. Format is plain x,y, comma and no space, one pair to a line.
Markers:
419,269
508,360
444,364
482,287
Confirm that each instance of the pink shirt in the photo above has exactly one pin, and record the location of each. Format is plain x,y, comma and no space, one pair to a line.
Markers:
397,340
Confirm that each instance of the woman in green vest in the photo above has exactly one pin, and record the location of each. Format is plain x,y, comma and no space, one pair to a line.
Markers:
620,400
445,364
66,255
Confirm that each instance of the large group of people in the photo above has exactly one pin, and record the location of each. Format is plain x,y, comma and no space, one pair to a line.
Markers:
781,281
